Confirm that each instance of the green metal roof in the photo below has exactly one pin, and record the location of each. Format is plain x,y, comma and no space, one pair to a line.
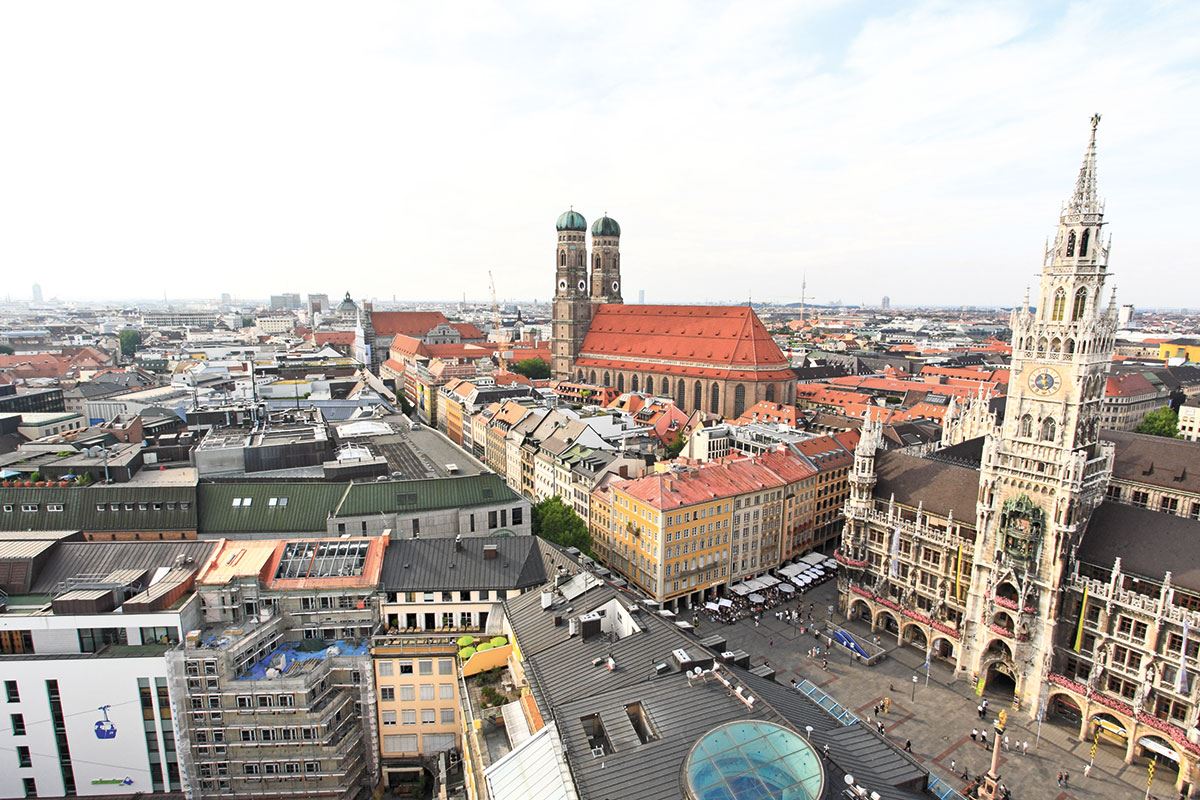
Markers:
403,497
91,508
299,507
305,507
606,226
571,221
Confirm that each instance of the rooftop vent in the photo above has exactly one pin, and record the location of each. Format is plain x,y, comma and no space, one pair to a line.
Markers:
490,551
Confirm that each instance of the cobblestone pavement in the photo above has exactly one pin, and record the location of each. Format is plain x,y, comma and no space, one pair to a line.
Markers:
938,718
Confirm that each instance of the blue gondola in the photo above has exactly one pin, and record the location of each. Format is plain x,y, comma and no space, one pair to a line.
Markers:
104,727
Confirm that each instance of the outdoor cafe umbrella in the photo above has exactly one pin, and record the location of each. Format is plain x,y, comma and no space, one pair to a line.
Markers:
756,598
786,588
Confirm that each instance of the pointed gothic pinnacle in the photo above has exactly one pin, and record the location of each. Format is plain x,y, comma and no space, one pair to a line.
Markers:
1084,200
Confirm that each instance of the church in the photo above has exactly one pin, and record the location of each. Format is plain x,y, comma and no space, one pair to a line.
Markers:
719,359
1024,554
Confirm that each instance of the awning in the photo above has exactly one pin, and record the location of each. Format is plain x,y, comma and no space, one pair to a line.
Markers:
1155,746
1112,728
767,581
712,606
685,625
740,589
5,474
787,588
724,602
812,558
756,598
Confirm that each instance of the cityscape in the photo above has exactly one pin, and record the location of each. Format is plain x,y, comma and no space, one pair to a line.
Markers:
637,519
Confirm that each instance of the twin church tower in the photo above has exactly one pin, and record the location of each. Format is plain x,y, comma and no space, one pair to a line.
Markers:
576,293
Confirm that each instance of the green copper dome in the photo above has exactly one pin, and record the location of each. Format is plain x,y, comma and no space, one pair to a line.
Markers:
606,226
571,221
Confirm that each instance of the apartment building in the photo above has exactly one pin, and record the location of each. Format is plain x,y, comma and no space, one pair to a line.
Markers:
434,593
83,636
1154,472
275,688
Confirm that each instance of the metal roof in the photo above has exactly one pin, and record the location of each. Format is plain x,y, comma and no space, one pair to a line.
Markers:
115,507
441,564
76,559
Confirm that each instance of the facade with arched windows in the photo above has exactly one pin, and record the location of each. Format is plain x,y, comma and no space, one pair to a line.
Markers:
719,359
1000,555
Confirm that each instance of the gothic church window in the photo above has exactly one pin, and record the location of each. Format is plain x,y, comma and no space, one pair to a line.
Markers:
1080,304
1026,426
771,393
649,384
1048,429
633,383
621,383
592,377
1071,244
1083,243
697,396
739,399
681,394
1069,347
562,258
607,381
716,399
1060,305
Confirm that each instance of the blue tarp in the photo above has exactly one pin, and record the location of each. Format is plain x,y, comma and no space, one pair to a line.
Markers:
847,641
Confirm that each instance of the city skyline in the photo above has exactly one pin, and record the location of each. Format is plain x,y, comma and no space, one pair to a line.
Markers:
862,149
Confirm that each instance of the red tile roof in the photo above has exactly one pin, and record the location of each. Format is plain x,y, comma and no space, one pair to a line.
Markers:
1131,384
701,485
409,323
468,331
767,411
713,341
333,337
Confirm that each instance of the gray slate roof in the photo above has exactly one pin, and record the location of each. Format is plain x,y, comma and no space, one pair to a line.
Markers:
1148,543
71,559
940,486
440,564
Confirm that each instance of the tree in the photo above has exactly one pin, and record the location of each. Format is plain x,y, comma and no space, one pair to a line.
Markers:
5,350
676,446
130,340
557,522
1160,422
532,368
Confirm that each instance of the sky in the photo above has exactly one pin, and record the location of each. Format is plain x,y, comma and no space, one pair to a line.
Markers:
918,150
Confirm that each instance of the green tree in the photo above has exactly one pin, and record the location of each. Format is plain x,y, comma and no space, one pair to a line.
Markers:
130,340
1160,422
5,350
676,446
557,522
532,368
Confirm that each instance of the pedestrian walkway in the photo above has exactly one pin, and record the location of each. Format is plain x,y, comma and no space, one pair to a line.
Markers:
938,713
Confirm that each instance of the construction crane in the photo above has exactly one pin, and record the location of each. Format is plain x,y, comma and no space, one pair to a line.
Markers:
501,346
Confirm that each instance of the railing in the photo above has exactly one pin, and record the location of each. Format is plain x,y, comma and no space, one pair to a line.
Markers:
942,790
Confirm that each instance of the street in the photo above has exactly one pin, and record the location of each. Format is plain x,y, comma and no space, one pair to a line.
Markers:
939,718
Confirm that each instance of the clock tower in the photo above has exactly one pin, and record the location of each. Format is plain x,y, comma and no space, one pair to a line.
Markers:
1044,469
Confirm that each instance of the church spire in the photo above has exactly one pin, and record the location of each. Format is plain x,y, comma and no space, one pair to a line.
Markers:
1084,201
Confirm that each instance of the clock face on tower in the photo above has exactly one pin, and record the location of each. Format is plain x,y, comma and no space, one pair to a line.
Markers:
1044,381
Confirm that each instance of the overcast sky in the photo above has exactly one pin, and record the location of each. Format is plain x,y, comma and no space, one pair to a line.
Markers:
916,150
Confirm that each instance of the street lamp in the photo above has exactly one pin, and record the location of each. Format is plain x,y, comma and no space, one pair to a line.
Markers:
914,691
808,729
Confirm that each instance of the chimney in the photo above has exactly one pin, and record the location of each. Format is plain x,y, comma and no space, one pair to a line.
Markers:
490,551
458,543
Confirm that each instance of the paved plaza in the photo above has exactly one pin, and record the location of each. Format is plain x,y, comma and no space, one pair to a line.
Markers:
938,718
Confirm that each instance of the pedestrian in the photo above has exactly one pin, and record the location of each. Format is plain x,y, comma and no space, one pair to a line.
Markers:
974,734
1059,779
825,752
1025,747
908,745
770,643
825,663
1066,779
979,710
1006,742
1087,769
984,704
952,765
983,737
966,776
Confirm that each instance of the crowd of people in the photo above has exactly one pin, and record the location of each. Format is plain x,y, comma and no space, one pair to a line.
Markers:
773,601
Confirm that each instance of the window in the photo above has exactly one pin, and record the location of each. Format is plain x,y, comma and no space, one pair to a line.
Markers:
54,507
387,693
400,743
1070,244
425,666
445,666
250,769
388,717
1083,243
408,693
1080,304
93,639
437,742
491,520
445,691
518,515
30,786
29,507
426,691
406,667
428,716
17,723
408,717
23,757
385,669
447,716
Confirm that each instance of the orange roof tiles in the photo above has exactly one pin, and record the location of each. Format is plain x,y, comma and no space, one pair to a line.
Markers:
767,411
1131,384
712,341
408,323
